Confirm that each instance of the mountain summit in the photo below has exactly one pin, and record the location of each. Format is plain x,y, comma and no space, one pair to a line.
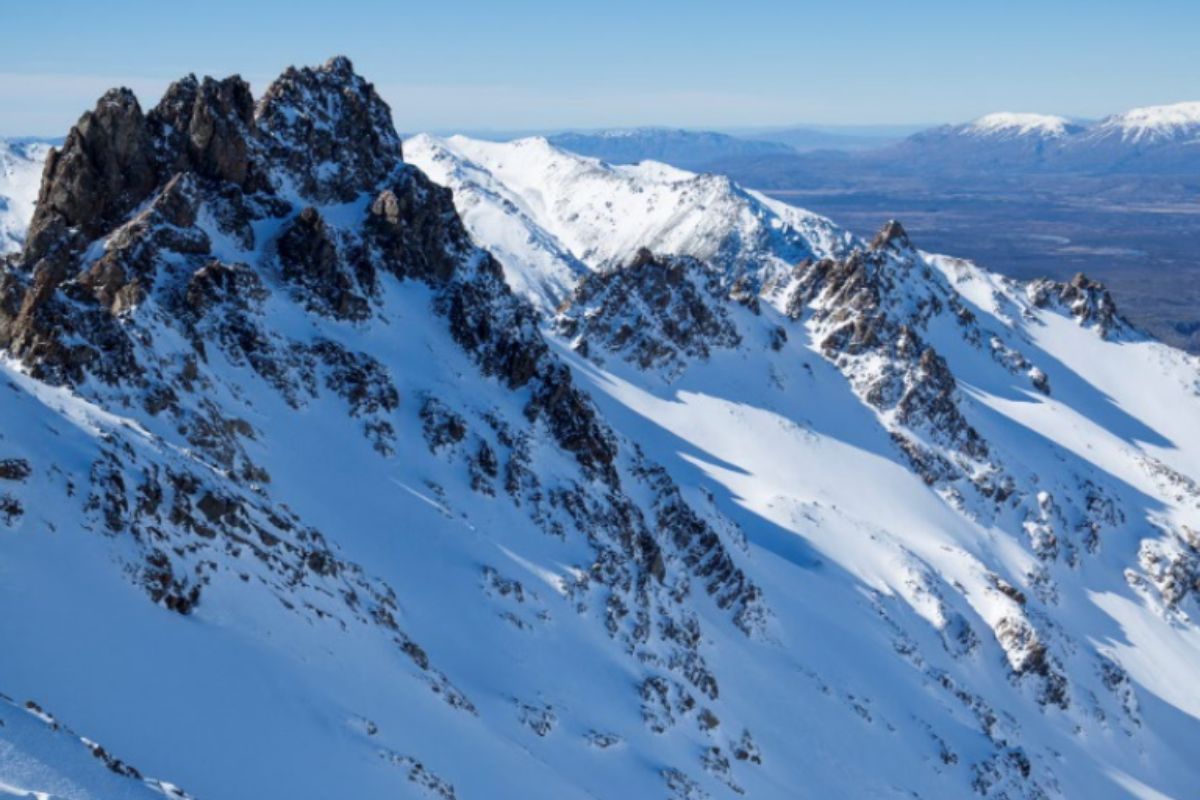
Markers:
319,478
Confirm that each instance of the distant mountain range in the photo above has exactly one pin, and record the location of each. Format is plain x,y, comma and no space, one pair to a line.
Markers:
1154,138
1149,139
841,137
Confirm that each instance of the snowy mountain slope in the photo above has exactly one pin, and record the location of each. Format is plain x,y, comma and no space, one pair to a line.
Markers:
1016,139
1008,125
20,174
1003,477
536,264
296,499
283,421
1152,125
42,758
577,210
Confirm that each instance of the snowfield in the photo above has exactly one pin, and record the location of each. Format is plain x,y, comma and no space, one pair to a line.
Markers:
550,216
317,480
20,174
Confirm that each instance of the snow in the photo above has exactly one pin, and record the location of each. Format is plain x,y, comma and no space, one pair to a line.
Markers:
871,577
1153,124
1018,124
803,467
20,179
550,215
43,760
537,265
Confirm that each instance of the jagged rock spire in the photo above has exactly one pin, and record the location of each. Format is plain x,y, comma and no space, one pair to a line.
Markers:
891,234
318,136
206,127
105,167
329,129
325,128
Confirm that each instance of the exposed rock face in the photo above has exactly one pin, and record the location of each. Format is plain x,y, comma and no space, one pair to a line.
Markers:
329,130
1087,300
892,234
106,167
656,311
309,257
206,127
414,223
873,305
323,131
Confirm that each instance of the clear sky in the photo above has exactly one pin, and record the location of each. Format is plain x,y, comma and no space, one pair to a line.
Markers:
527,64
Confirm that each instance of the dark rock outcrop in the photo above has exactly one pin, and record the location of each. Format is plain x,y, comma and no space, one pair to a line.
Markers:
104,169
1083,298
413,223
206,127
329,130
309,257
656,312
891,235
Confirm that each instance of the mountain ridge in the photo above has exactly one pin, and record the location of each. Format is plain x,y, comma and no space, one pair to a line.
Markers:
753,497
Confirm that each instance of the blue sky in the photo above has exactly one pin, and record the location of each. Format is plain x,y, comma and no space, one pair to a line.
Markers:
529,64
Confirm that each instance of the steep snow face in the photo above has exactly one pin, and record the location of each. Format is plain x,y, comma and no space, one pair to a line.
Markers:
536,264
20,176
600,215
1153,124
1008,124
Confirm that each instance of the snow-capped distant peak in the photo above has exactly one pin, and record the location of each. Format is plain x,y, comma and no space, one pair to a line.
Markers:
1155,123
1007,123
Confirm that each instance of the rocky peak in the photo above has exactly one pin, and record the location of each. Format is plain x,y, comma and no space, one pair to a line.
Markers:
104,168
206,127
322,132
892,234
318,136
329,129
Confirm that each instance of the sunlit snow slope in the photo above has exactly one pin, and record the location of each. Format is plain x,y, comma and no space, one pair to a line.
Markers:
299,499
546,212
